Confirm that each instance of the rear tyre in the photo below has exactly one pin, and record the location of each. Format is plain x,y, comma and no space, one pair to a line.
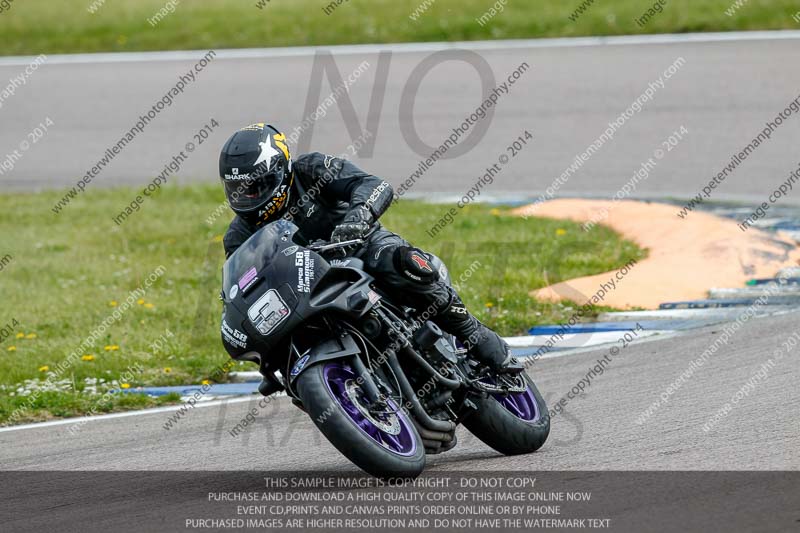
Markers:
384,443
512,424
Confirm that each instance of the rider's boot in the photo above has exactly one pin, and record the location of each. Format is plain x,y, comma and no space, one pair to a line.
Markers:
483,344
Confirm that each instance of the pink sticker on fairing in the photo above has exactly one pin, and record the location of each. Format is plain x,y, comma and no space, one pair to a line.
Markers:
249,276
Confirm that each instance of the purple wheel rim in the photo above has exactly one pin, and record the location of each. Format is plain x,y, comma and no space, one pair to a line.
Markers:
338,377
520,404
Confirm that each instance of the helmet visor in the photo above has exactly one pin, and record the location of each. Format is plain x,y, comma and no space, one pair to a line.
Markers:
247,192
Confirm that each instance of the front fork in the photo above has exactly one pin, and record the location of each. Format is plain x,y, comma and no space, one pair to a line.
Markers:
365,380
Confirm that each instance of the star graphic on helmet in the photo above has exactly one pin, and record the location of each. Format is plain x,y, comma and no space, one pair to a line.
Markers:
267,152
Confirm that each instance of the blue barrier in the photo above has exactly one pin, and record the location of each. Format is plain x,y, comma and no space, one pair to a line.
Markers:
786,225
778,281
597,327
731,302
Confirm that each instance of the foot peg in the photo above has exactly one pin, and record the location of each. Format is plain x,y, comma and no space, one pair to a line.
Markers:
269,386
510,366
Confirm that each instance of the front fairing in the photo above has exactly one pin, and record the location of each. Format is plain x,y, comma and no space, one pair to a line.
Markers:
266,285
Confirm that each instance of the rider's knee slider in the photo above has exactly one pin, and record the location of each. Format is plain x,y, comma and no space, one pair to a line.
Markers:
415,265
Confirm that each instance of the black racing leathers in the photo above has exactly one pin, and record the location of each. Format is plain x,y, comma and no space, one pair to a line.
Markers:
324,190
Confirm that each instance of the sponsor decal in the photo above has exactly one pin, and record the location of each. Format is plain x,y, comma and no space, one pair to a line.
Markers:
442,272
247,279
233,336
237,177
377,193
268,312
290,250
328,161
340,262
253,127
373,296
412,275
305,270
233,292
311,210
299,365
421,262
250,285
275,204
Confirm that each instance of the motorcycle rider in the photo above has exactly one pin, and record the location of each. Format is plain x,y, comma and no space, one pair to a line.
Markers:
329,198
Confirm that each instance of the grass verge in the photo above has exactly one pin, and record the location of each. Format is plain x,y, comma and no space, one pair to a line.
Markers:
69,273
44,26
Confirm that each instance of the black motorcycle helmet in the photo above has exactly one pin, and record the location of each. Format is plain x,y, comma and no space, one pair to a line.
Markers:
256,171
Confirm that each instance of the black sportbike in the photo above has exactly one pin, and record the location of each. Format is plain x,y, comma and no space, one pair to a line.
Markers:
381,382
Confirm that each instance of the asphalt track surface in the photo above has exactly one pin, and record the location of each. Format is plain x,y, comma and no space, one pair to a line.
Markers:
130,474
599,430
723,94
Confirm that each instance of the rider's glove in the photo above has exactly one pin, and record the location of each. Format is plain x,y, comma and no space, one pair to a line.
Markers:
356,225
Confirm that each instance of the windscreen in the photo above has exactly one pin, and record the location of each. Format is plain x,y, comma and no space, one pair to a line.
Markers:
256,252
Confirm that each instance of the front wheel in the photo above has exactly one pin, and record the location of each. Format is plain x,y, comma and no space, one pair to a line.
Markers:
382,442
513,423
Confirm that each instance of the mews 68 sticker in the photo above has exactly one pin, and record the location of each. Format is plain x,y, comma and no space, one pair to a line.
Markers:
233,336
305,270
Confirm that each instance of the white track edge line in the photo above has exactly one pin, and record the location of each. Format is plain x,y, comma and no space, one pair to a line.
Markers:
166,409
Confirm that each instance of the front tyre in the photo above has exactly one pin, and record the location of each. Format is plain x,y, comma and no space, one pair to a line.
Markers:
383,443
514,423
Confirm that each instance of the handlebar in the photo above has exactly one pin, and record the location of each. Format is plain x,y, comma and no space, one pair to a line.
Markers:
323,246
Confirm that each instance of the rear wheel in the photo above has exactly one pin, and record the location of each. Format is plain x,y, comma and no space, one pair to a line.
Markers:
513,423
380,441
